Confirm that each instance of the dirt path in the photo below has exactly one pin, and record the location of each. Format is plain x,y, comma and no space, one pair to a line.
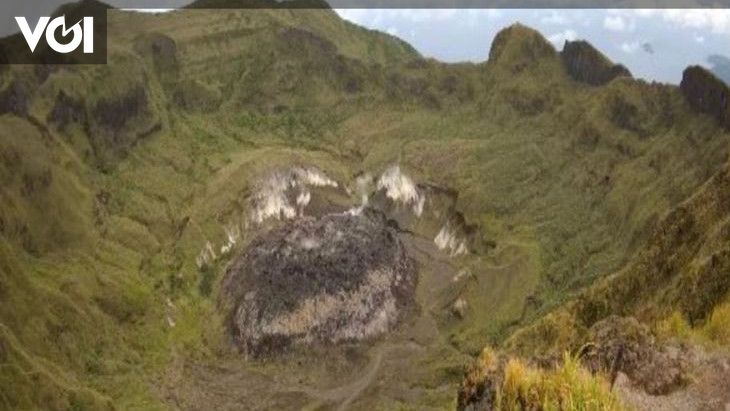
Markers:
347,393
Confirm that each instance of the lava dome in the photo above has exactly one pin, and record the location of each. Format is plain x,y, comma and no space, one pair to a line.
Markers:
341,277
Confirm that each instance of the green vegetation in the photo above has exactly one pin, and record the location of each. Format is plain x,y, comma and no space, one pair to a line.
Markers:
679,273
115,177
714,332
517,386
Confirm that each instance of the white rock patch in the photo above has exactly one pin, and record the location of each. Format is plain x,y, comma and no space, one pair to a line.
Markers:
446,240
271,199
401,189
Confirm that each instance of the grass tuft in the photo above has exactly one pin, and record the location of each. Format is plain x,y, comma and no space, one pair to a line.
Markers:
714,332
567,387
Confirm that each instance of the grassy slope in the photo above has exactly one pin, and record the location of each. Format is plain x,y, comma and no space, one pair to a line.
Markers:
98,258
680,275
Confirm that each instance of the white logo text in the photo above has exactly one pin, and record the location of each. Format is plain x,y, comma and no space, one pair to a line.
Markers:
81,34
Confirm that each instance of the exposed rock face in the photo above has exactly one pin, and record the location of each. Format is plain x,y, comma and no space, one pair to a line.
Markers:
66,110
720,67
706,94
114,114
117,122
285,194
14,99
622,344
612,347
343,277
161,48
586,64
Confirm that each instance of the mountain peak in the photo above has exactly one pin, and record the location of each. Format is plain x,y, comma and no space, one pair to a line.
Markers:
586,64
706,94
518,46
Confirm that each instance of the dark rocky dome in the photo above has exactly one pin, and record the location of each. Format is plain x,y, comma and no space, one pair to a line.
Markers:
586,64
343,277
707,94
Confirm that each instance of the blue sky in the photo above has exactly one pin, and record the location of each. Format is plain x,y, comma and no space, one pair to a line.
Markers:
653,44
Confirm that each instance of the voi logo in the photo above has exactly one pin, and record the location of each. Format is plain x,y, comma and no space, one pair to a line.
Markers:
83,32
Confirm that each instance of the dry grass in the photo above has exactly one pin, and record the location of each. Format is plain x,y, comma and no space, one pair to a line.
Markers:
714,332
520,386
674,326
717,328
567,387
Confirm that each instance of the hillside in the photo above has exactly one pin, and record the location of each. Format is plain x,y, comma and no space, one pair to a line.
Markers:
533,188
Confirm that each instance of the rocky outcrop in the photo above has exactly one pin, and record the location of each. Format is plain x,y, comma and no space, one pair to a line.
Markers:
14,99
614,347
720,67
623,345
161,49
113,114
343,277
119,121
707,94
66,110
587,65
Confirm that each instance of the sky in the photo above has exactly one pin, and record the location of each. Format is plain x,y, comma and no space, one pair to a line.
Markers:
654,44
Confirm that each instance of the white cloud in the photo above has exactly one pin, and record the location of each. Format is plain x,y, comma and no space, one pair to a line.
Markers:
716,20
477,17
645,12
423,15
559,38
555,18
630,48
699,38
614,23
